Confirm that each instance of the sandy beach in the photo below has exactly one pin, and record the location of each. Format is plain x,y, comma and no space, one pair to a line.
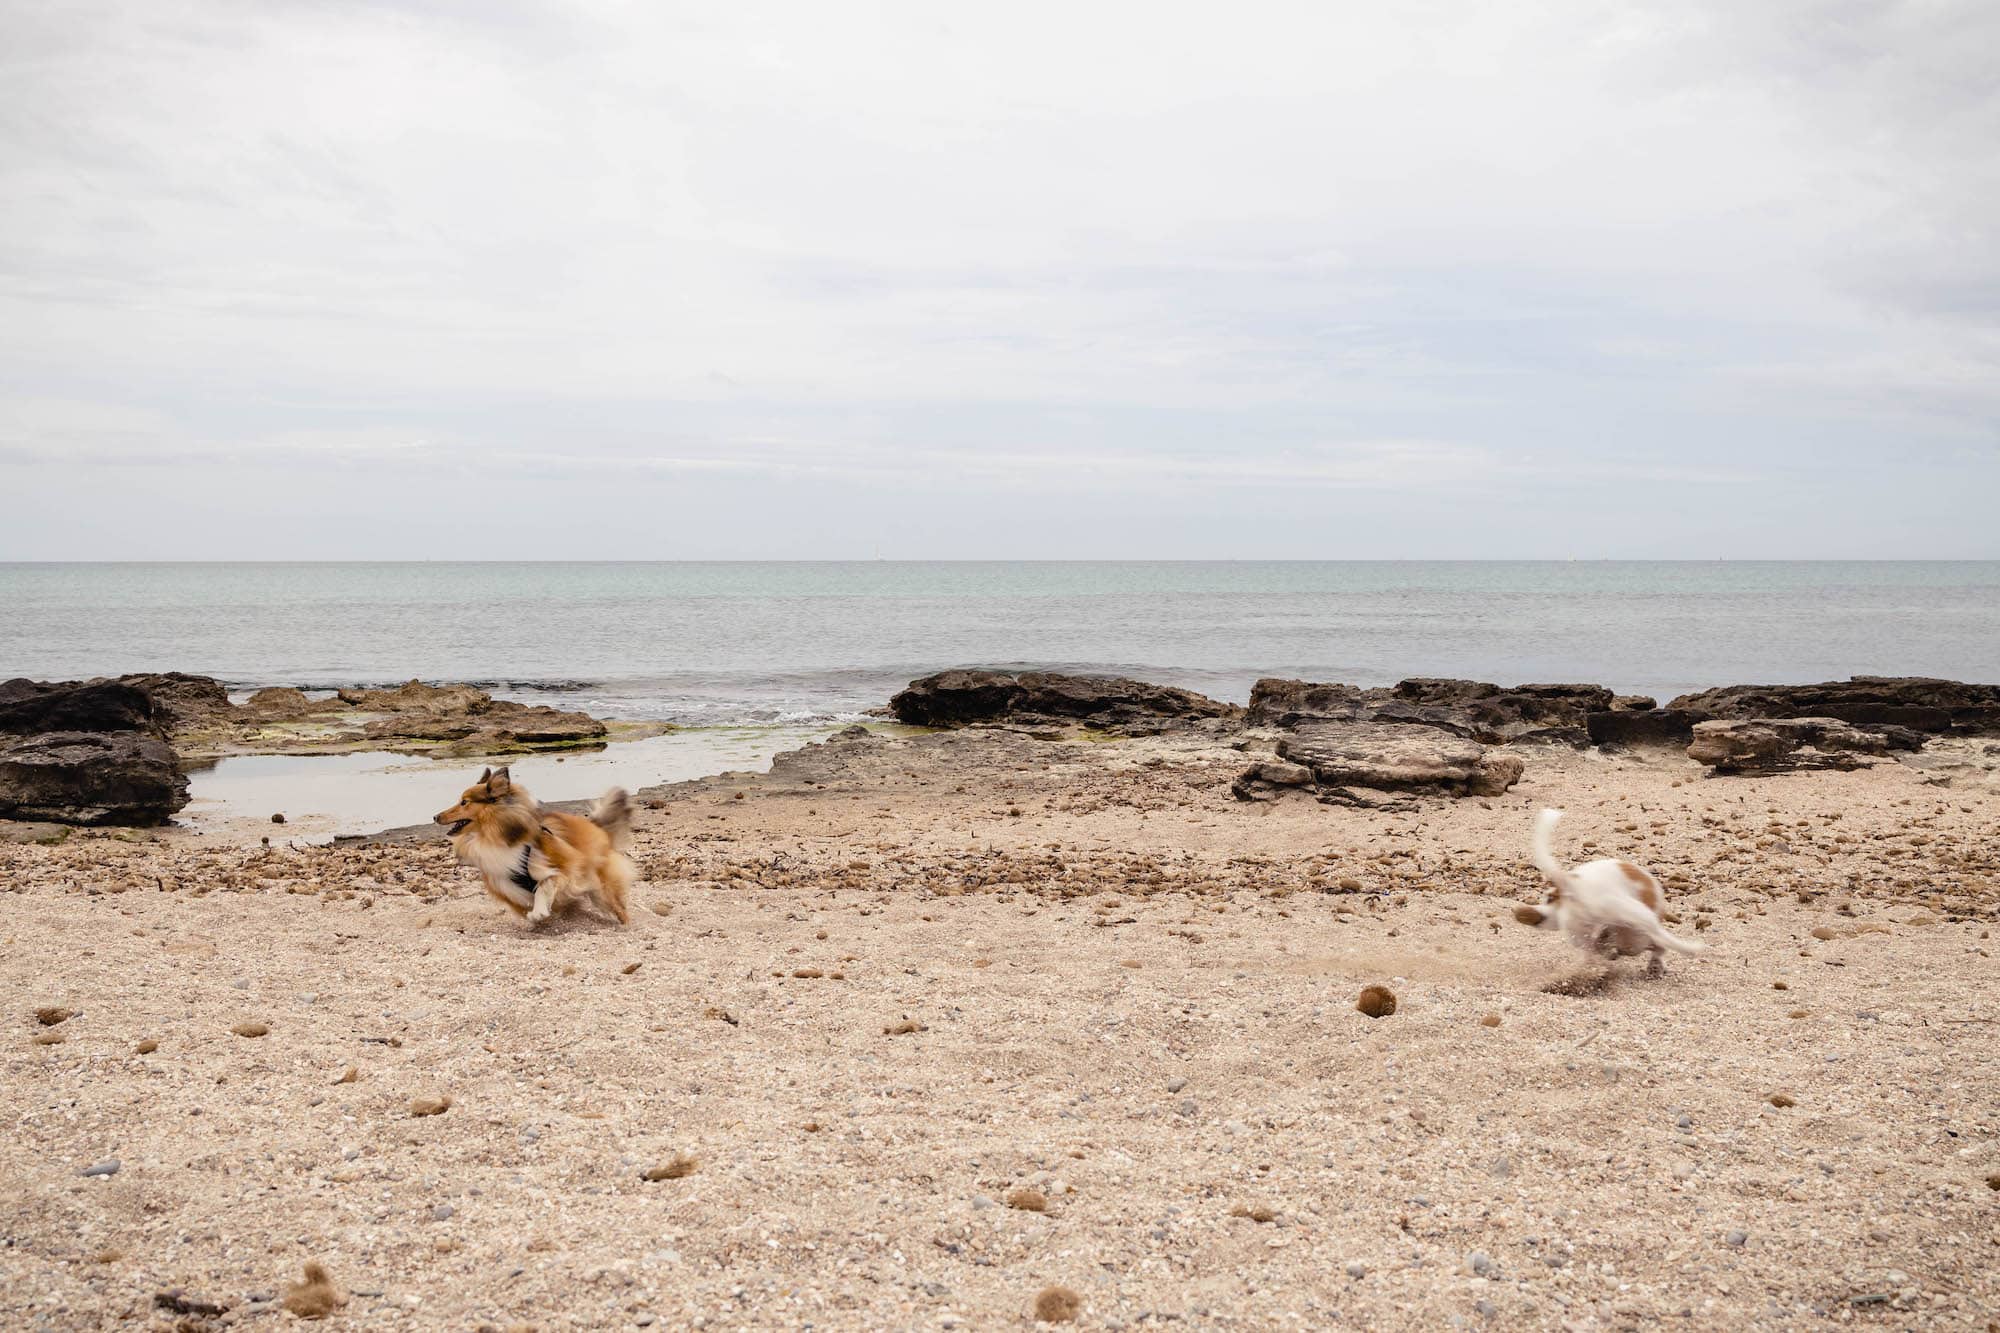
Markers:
931,1024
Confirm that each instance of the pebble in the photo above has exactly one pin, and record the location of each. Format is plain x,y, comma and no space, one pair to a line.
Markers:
981,1201
1736,1239
1356,1270
1187,1107
1480,1262
1176,1084
442,1213
105,1168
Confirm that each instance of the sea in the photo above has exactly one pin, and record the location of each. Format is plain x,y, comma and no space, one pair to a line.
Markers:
809,643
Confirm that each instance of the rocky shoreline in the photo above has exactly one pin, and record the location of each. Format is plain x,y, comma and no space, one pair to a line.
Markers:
116,751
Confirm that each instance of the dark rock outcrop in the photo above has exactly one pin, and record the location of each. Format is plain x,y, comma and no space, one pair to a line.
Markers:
1739,745
1470,708
1391,757
1652,726
956,698
28,707
1918,702
91,777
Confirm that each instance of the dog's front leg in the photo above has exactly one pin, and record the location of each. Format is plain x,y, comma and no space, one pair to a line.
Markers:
545,900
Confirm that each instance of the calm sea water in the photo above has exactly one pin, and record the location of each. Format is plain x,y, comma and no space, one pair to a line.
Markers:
810,642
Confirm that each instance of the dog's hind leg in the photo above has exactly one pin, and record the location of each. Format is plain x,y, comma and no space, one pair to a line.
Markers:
1656,962
612,886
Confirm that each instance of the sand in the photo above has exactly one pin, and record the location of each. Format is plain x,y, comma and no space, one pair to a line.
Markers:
910,1031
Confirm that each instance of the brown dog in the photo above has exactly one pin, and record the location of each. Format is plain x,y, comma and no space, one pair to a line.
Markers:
537,860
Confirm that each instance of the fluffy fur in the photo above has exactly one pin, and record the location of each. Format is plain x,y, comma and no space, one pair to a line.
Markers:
1608,907
505,834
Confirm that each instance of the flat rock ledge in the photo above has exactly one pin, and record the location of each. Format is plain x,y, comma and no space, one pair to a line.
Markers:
1354,763
1779,744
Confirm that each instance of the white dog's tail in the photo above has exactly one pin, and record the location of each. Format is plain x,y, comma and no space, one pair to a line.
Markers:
613,814
1542,852
1675,942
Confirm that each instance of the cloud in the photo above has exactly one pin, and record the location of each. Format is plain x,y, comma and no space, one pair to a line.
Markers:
1543,248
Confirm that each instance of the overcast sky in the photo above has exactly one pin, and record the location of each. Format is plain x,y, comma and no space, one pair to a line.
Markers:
501,279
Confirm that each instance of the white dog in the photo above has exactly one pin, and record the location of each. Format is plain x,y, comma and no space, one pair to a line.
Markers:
1607,907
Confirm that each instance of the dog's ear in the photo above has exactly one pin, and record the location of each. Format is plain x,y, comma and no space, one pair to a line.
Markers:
500,783
485,776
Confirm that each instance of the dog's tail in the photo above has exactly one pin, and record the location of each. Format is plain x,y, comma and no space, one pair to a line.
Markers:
1675,942
1542,852
613,814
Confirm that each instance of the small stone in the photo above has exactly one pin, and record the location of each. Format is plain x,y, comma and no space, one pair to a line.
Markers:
1176,1084
314,1296
109,1167
49,1038
1490,1021
424,1106
146,1047
49,1015
980,1201
674,1168
1376,1001
1736,1239
348,1075
1480,1262
1028,1200
442,1213
1781,1100
1057,1305
251,1029
1187,1107
278,818
1356,1270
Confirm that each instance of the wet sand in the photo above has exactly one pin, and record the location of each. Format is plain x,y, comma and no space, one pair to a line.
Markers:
879,993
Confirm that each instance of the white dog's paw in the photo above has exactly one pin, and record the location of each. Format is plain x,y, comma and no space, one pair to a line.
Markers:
537,915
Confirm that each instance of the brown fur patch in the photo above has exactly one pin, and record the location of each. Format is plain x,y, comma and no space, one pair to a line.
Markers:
1645,888
1057,1305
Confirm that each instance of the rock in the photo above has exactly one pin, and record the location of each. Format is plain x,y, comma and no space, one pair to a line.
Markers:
414,696
1057,1305
278,703
109,1167
1736,746
180,699
1920,703
49,1015
674,1168
1736,1239
1176,1084
1262,781
955,698
31,708
429,1106
1473,709
1480,1262
314,1296
91,777
1376,1001
1655,726
1399,758
252,1029
1357,1270
1634,703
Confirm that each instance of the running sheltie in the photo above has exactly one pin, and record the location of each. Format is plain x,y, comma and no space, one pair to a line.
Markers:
537,860
1608,907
